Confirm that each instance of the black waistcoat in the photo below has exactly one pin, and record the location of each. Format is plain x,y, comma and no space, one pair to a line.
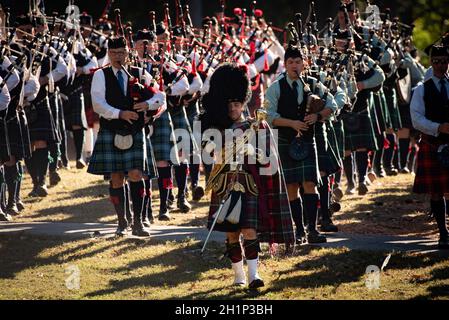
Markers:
436,109
115,98
288,108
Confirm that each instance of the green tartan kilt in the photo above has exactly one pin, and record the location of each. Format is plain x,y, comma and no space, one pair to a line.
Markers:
378,110
106,158
163,138
339,132
393,109
299,171
327,160
364,137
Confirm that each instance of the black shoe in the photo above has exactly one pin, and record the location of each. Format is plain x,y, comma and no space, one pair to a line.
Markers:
164,216
140,231
55,178
42,191
5,217
146,222
301,238
443,244
328,226
256,283
337,193
80,164
183,205
363,189
405,170
315,237
197,193
121,231
20,205
33,192
334,207
11,209
391,172
350,189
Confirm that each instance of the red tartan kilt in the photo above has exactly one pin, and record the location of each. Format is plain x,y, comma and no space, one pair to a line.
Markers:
91,116
431,177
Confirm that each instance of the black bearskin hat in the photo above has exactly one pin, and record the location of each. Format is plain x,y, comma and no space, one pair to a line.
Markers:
229,83
116,42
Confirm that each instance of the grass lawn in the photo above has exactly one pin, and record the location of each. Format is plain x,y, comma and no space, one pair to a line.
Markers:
35,268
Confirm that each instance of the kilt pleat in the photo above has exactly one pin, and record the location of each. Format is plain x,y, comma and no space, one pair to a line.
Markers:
44,127
107,159
364,137
163,138
299,171
327,160
392,103
75,111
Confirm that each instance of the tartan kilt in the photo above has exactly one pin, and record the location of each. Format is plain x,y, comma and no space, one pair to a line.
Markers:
17,143
364,137
378,110
339,132
406,118
248,216
4,142
327,160
392,104
151,170
75,113
44,127
431,177
163,138
299,171
24,135
106,158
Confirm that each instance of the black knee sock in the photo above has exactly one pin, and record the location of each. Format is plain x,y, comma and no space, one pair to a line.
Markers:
438,210
311,210
337,178
2,190
361,159
297,215
11,179
324,199
63,148
54,154
137,192
41,162
32,169
117,197
403,152
379,154
181,179
349,171
147,209
19,180
194,174
388,153
165,183
78,139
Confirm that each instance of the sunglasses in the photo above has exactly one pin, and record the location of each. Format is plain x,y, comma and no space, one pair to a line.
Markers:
442,61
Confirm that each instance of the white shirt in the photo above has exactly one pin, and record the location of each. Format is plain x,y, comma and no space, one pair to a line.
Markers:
98,90
5,98
418,109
